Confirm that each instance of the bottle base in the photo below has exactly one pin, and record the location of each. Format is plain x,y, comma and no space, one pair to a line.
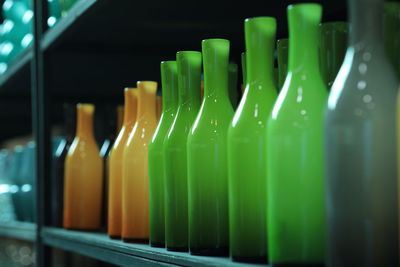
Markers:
178,249
157,244
256,259
297,265
115,237
136,240
216,252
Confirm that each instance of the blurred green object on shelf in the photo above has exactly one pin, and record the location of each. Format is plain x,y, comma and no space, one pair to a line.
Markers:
65,6
15,31
58,9
54,12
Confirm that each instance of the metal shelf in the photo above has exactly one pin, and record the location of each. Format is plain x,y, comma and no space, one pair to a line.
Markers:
66,24
101,247
18,230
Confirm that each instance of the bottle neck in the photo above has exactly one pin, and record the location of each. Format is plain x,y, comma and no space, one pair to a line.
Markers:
169,104
84,127
215,74
366,21
303,42
130,108
170,95
146,102
260,43
189,86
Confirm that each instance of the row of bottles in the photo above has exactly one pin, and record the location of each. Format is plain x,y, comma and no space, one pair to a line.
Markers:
82,157
285,173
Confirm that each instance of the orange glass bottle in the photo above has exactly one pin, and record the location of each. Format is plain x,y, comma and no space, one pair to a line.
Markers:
83,176
115,161
135,180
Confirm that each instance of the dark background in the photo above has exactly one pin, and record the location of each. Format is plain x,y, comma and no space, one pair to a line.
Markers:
112,44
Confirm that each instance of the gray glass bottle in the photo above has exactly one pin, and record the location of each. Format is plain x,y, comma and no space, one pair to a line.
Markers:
361,148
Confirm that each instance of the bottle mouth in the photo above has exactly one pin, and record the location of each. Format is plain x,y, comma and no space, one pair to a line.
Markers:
182,54
263,24
147,86
309,11
86,108
215,43
130,91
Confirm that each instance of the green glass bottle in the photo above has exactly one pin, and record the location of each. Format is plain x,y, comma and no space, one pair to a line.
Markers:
360,146
169,77
333,46
282,47
295,185
175,155
246,145
207,156
243,58
232,83
244,72
391,33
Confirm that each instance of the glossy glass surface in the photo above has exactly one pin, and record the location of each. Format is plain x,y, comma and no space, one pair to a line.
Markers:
333,46
83,177
207,156
169,76
244,71
115,162
175,155
282,47
135,175
295,187
233,84
360,134
246,145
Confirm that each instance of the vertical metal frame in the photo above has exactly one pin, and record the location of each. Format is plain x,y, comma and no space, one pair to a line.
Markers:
41,130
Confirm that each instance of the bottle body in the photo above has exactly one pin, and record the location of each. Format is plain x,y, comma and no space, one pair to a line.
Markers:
207,156
361,154
295,183
175,151
115,165
360,131
135,180
246,146
156,157
83,178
